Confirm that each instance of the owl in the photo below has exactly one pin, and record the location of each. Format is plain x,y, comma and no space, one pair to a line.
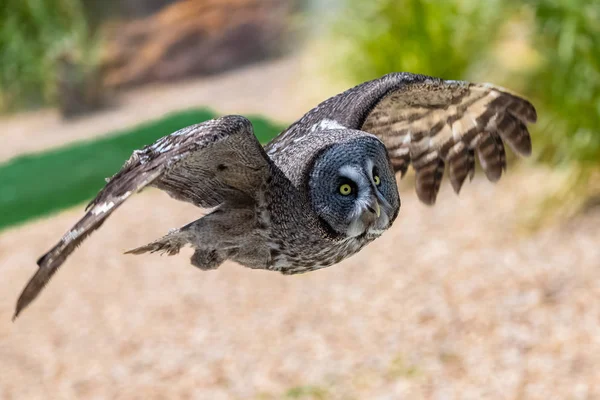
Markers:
321,190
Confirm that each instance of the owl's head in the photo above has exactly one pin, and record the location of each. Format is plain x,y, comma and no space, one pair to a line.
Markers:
352,187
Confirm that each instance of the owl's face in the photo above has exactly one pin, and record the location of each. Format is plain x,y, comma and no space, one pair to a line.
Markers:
353,188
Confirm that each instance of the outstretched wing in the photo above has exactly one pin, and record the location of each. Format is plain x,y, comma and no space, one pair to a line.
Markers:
431,123
206,164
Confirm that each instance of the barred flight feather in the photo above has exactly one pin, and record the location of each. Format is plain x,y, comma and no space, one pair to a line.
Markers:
445,123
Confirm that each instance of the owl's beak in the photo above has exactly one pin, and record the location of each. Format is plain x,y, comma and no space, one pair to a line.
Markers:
370,218
373,207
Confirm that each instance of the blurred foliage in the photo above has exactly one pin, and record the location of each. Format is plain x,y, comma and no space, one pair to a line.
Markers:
548,50
430,37
566,89
307,392
34,34
566,85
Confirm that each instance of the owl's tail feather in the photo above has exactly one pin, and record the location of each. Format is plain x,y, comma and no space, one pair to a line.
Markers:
169,244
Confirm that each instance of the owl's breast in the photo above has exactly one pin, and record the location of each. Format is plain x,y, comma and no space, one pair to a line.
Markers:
316,256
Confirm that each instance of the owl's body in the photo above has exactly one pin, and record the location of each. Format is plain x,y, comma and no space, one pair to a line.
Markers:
322,189
279,230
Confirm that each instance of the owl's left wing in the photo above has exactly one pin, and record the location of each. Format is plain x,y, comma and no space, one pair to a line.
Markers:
206,164
432,123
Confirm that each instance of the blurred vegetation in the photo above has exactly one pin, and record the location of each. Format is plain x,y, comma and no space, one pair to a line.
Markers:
38,184
566,89
430,37
34,34
547,50
566,85
307,392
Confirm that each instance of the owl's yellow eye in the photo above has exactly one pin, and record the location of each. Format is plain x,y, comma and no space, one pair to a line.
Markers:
345,189
376,180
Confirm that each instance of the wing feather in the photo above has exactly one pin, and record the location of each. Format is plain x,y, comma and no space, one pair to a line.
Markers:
203,164
429,123
445,123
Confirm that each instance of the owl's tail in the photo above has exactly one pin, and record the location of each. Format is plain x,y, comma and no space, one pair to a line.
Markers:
170,244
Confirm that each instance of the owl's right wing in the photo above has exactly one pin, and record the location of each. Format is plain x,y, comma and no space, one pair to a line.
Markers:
430,123
206,164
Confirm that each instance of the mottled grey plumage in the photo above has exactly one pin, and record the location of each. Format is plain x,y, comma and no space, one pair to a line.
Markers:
322,189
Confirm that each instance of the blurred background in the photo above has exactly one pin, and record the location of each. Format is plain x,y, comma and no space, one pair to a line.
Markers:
493,294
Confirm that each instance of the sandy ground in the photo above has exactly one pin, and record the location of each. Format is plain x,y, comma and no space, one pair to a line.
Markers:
454,302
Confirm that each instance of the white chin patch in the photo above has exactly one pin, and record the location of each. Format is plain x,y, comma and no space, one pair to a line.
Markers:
356,228
381,224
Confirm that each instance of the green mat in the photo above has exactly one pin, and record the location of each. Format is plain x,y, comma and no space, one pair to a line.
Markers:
38,184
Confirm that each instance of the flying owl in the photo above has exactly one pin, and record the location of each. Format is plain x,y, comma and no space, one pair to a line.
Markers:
322,189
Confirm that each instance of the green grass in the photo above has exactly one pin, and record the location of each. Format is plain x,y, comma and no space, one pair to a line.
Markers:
307,392
38,184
